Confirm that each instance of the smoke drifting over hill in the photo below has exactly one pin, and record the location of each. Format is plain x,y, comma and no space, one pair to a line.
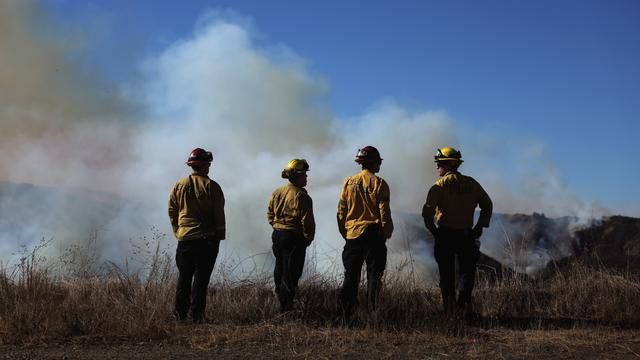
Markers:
59,127
254,107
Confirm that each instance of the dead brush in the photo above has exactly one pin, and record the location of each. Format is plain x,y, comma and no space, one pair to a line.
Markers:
120,301
26,295
241,302
600,295
40,301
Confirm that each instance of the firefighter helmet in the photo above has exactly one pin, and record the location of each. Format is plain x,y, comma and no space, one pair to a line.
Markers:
368,154
295,166
448,154
199,156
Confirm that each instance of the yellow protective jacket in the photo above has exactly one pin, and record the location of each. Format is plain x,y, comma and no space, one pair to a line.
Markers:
364,201
291,208
453,200
196,208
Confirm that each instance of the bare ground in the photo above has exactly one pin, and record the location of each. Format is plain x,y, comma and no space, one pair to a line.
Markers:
293,340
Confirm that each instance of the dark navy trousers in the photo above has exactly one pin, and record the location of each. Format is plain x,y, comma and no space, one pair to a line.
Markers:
289,249
449,244
195,260
370,247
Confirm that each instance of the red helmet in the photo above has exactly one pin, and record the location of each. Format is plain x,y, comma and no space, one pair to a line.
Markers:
199,156
368,154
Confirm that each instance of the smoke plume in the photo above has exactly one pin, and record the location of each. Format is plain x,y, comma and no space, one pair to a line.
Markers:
255,107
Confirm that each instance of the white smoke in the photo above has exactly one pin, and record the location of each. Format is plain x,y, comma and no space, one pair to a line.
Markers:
256,108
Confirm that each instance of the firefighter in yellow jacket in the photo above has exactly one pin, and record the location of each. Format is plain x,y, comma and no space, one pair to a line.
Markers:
196,211
364,221
290,213
453,200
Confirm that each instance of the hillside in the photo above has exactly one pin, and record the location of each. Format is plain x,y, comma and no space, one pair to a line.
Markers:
524,243
612,244
535,243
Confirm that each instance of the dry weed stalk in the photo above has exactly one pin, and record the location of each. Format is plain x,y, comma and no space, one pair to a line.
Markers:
42,299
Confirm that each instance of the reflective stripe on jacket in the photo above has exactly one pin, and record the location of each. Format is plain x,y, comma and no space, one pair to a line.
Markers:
453,200
291,208
364,201
196,208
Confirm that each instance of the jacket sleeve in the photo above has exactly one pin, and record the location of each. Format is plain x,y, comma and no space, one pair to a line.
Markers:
384,198
174,210
308,221
486,207
270,212
219,222
429,208
342,210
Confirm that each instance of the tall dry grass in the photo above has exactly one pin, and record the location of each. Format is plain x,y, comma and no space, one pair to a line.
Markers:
74,296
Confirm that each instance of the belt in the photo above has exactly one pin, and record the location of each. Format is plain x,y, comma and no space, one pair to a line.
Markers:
196,237
446,228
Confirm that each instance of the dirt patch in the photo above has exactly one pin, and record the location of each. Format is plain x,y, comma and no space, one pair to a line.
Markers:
294,341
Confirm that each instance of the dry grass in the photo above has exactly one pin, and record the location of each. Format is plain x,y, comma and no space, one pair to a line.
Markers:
43,301
579,293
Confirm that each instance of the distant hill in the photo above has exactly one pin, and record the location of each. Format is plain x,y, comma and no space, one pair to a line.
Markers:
29,213
533,244
414,235
524,243
613,243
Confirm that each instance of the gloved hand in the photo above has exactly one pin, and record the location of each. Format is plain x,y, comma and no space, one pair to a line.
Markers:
476,232
307,242
435,233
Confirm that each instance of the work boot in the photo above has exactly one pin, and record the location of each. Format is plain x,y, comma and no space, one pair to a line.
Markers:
472,317
200,320
286,305
343,317
467,313
179,316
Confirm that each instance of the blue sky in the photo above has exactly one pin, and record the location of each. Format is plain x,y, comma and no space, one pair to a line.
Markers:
564,72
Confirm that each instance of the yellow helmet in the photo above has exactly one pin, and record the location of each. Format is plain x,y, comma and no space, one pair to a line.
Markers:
448,154
295,166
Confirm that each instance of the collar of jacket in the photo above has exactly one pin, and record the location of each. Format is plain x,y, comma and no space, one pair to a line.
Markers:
297,187
196,174
451,172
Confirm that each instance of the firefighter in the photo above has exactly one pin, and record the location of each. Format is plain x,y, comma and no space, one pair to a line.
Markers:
290,213
196,211
364,221
453,200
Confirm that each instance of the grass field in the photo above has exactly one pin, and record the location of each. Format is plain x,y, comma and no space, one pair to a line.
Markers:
109,312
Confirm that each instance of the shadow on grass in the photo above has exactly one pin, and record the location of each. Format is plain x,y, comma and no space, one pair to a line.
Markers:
536,323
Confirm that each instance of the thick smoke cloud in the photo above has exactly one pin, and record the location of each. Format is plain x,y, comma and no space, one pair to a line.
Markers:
258,108
62,129
60,124
255,107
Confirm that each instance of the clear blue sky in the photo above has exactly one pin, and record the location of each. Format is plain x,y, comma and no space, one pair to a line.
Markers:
566,72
